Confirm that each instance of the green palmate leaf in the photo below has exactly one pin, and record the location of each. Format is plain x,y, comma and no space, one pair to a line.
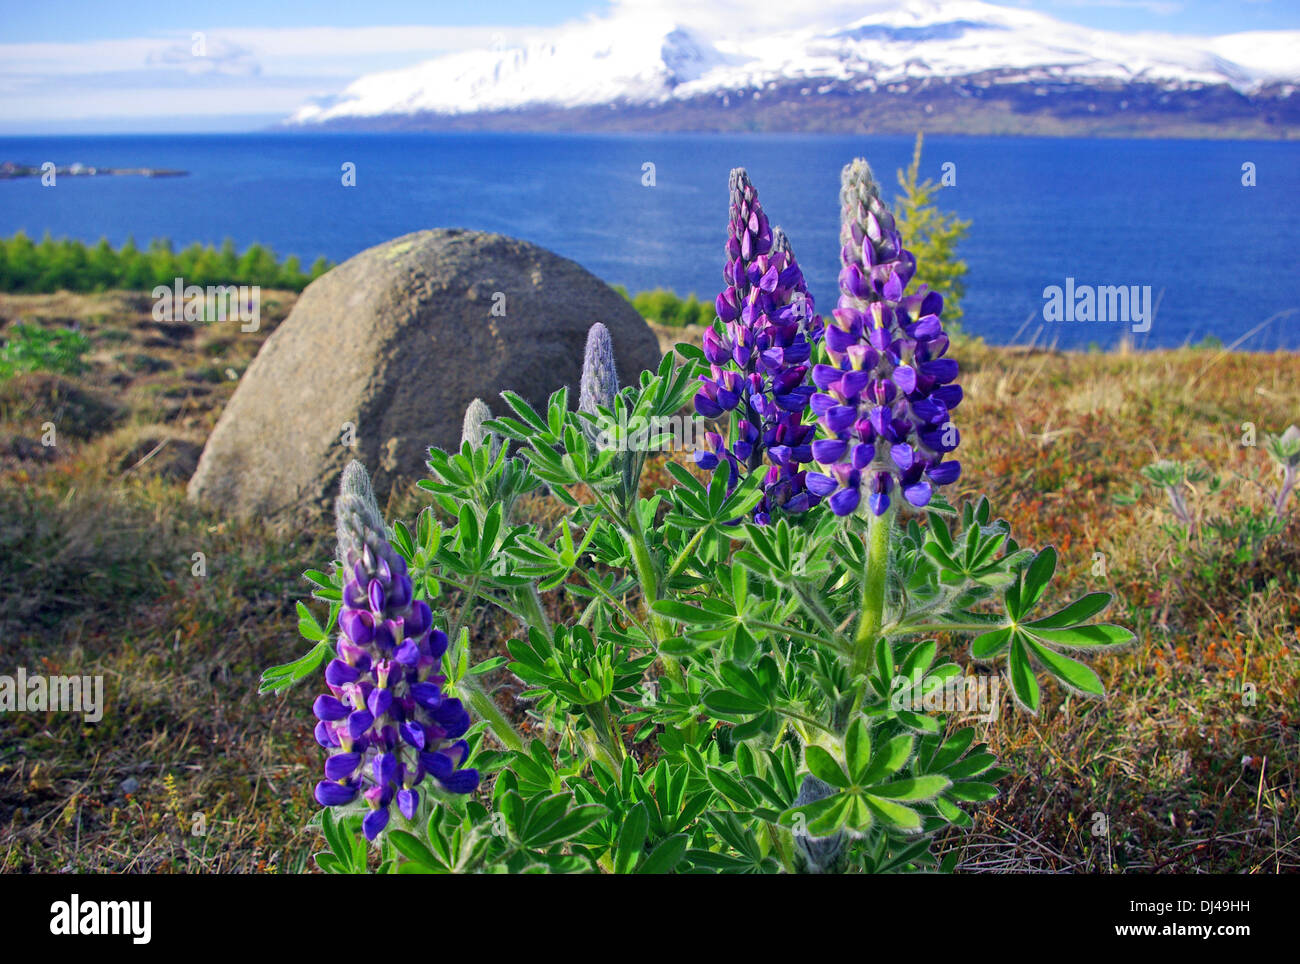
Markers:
279,677
1079,611
972,765
1029,642
989,645
541,814
307,625
574,822
1023,683
1037,575
326,587
727,704
409,846
525,412
889,760
1071,672
631,840
973,791
693,614
823,766
913,789
330,864
919,659
952,748
335,835
821,818
894,814
857,750
666,856
729,787
1083,636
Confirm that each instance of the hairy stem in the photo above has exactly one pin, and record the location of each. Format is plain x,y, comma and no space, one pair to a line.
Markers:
874,579
685,555
649,579
488,710
530,603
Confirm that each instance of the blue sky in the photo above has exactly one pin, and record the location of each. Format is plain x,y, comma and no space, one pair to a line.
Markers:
87,65
83,20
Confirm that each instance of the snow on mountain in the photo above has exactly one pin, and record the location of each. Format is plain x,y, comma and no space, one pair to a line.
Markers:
635,57
640,59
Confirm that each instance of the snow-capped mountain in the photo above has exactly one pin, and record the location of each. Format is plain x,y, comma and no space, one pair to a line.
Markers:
638,59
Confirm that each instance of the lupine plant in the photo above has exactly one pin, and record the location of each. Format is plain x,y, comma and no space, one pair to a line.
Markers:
749,669
1235,537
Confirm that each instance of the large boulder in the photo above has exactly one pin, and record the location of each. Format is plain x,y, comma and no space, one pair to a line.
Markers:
387,349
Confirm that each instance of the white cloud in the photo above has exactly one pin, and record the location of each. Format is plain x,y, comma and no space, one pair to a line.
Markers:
1161,8
734,18
162,75
328,50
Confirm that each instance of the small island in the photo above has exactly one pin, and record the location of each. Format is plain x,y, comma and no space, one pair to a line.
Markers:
11,170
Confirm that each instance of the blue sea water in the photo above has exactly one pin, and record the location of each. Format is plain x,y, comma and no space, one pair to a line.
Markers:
1220,257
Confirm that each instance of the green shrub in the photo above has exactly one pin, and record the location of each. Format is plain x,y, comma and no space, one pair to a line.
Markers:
666,308
30,348
69,265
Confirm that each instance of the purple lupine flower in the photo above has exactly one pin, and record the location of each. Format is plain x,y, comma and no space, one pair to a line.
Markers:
759,364
385,718
885,402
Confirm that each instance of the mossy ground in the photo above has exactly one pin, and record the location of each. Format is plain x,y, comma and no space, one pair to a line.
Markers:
97,546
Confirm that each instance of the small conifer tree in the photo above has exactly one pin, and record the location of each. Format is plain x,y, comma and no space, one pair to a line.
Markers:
932,235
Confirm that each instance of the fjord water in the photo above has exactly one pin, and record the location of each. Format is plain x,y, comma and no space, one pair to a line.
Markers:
1220,257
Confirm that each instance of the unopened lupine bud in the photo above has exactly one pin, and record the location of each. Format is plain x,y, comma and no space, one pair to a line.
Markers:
356,512
781,243
867,223
474,432
885,402
385,719
599,383
820,855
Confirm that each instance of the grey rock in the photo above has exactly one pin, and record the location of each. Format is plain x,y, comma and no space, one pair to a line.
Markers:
396,342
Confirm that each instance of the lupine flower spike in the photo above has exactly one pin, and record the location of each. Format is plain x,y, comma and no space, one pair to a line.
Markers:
885,402
385,719
760,362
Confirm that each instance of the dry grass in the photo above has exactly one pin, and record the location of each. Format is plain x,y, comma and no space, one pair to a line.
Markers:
97,555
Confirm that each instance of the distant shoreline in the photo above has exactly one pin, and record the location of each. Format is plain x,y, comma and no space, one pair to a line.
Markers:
979,105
